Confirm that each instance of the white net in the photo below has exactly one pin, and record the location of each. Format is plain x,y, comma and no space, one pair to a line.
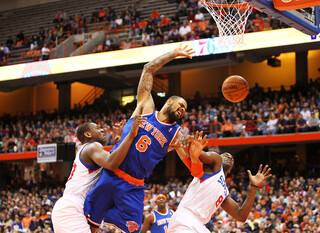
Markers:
231,17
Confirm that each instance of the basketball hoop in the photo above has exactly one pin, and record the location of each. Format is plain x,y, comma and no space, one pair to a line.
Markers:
231,18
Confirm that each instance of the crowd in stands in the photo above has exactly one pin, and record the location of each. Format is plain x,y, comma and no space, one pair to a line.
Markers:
261,113
162,29
156,29
284,203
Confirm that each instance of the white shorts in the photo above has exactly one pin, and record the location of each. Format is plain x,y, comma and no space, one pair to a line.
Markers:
186,222
68,216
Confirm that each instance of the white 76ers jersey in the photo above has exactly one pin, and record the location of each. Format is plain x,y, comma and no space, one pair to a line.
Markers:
204,196
82,178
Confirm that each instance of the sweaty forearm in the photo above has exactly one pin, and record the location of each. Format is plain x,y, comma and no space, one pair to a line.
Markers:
119,154
210,157
247,205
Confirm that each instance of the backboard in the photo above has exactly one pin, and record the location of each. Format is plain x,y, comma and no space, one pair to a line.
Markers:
305,20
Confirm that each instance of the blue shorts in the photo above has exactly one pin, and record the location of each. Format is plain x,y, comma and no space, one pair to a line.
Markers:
116,201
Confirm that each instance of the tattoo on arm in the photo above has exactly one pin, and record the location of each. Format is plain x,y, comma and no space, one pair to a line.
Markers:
150,68
154,65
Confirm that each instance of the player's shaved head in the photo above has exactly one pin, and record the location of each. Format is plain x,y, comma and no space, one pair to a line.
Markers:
85,127
174,98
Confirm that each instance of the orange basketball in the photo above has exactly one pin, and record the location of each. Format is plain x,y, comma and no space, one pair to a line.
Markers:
235,88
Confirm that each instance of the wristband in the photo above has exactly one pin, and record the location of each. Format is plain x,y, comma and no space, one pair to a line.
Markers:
197,169
255,186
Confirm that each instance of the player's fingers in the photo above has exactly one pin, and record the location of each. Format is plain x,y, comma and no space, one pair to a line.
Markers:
268,176
260,168
249,173
265,169
204,145
196,136
200,136
205,137
267,172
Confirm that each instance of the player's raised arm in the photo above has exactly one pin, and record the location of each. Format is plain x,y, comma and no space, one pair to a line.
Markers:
144,100
241,213
104,159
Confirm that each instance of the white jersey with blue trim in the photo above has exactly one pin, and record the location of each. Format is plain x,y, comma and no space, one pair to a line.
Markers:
82,177
204,196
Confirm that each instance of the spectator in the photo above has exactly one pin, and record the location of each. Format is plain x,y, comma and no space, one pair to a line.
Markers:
174,34
16,225
182,8
281,125
20,36
145,39
134,28
158,32
199,16
193,36
154,14
3,57
118,22
227,129
305,112
107,43
272,124
102,14
153,41
133,44
116,42
185,29
174,20
184,129
291,124
191,16
261,127
164,23
250,127
142,26
127,44
45,52
194,127
301,124
26,221
313,123
10,43
238,127
166,40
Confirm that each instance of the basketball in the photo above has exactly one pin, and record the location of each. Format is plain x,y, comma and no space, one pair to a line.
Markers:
235,88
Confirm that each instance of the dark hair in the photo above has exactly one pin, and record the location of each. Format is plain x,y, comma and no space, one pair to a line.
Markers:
85,127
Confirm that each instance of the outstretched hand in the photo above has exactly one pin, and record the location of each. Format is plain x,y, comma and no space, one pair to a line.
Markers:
184,51
261,175
138,120
196,146
117,131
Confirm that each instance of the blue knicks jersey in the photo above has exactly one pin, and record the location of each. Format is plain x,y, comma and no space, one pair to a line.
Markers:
161,221
148,147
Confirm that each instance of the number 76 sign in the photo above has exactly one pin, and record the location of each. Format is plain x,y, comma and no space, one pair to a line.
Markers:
210,46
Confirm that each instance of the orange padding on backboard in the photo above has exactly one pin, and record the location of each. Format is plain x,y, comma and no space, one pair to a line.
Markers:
254,140
285,5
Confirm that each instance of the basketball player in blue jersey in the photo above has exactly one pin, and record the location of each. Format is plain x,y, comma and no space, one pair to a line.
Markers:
158,220
117,197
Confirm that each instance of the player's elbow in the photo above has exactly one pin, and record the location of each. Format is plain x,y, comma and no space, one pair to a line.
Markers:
148,68
241,218
113,166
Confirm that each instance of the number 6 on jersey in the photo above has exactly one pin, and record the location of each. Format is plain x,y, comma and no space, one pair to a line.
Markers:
143,143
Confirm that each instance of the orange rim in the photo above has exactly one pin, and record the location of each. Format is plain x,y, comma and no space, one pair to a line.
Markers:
238,5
